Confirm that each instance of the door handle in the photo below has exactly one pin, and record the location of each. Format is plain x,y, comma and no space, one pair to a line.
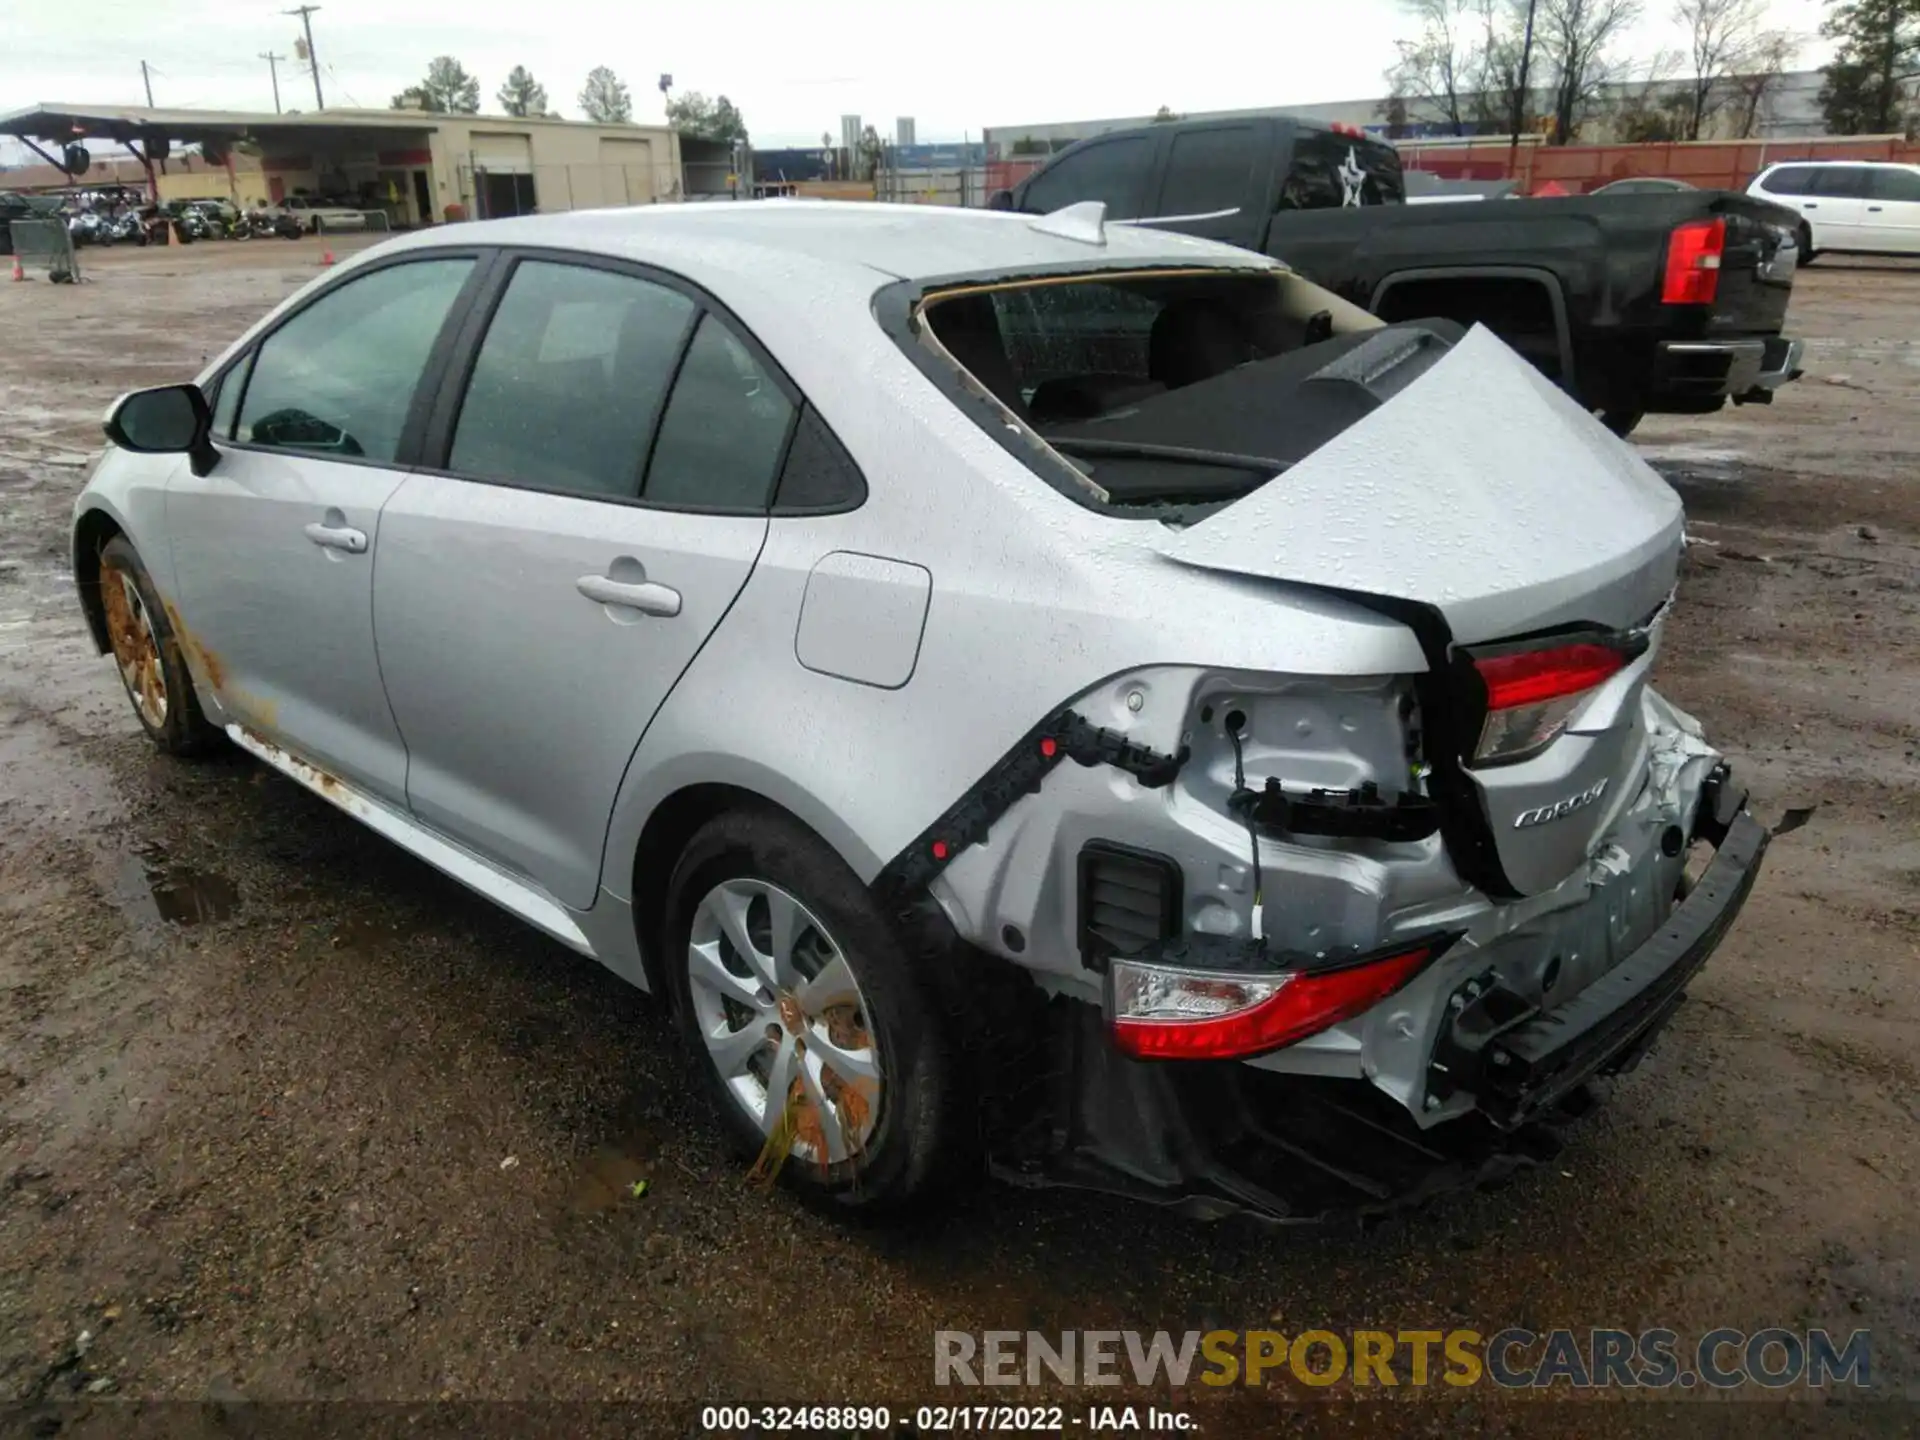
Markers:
1873,209
1808,205
648,597
338,537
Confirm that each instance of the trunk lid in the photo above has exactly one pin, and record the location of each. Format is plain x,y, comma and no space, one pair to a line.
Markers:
1484,493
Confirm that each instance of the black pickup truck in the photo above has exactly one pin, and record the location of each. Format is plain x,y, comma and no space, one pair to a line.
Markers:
1668,302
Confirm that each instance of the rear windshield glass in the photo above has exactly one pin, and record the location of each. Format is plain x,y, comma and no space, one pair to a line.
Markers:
1170,389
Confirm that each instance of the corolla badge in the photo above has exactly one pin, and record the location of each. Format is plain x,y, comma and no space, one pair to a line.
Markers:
1560,808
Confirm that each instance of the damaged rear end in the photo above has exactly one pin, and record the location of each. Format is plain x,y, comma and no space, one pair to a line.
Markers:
1341,941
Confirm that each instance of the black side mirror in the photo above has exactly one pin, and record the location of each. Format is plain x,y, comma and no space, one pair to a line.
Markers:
1000,200
169,420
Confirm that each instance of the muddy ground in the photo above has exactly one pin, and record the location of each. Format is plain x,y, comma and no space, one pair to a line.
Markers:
286,1115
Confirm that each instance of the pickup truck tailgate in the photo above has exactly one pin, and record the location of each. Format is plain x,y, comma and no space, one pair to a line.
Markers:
1756,268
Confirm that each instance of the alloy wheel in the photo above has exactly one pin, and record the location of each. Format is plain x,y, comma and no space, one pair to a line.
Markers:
136,649
783,1019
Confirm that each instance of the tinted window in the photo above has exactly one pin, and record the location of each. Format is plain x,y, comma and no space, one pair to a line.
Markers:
568,382
338,378
1843,182
1113,171
818,473
1207,170
721,438
1789,180
1896,185
1330,171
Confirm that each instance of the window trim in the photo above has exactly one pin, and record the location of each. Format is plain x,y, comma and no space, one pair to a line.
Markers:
437,441
412,430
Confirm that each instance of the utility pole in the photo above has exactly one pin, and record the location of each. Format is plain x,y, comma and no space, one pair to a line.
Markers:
147,80
273,71
1520,95
305,12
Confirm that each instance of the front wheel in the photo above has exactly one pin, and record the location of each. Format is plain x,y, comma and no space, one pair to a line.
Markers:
819,1041
1805,241
147,654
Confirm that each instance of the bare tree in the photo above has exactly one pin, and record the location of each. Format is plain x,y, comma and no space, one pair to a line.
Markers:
1723,40
1759,77
1575,39
1500,66
1437,68
1655,107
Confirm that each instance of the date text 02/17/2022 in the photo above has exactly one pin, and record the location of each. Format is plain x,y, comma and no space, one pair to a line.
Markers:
946,1419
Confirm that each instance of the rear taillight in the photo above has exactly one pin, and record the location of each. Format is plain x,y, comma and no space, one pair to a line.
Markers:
1163,1013
1693,262
1531,695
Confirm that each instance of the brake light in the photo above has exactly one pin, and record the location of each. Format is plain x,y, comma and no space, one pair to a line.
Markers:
1162,1013
1693,262
1532,694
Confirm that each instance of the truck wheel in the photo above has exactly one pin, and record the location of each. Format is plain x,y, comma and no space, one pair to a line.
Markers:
819,1043
1622,422
147,654
1805,242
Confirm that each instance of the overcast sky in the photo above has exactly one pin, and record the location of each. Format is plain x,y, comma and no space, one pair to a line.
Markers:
792,68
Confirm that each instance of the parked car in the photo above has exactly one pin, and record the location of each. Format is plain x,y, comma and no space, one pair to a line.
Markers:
316,216
1633,303
1641,185
1847,207
880,630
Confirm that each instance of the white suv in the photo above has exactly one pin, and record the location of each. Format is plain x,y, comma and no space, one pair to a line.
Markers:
1846,206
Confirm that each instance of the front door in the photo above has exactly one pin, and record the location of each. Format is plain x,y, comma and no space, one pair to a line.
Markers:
274,550
542,592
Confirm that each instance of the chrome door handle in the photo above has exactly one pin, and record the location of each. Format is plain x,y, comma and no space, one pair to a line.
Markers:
338,537
646,597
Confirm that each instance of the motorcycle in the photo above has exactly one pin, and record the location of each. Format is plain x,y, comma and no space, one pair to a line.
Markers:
86,228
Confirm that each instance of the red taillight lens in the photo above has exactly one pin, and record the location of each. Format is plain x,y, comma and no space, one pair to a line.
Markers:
1161,1013
1693,262
1532,694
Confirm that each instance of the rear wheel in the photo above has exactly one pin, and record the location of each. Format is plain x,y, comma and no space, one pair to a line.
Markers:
821,1046
147,654
1805,242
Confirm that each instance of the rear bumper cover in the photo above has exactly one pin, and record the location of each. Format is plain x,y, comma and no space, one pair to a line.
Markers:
1687,372
1215,1139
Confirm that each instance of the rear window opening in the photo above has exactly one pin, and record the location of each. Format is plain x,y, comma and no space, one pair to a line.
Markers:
1167,394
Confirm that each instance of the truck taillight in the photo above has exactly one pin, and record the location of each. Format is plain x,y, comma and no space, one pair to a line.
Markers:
1533,693
1693,262
1159,1012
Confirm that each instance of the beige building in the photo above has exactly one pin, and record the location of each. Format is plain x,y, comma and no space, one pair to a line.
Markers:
417,168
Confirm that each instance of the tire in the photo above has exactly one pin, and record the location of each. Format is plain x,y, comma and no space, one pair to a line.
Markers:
892,1131
147,655
1805,242
1622,422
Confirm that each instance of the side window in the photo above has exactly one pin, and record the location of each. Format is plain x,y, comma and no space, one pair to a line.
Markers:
226,400
339,377
1331,171
818,474
1789,180
1114,171
1843,182
1891,184
569,380
1208,171
725,427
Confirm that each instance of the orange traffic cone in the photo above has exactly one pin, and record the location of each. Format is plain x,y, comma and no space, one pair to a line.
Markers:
18,273
326,258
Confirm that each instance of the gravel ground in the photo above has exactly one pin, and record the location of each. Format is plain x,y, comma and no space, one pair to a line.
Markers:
285,1115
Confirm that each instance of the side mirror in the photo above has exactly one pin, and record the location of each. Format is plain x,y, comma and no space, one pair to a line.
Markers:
1000,200
169,420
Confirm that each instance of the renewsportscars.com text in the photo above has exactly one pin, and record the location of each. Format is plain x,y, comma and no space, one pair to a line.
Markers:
1512,1358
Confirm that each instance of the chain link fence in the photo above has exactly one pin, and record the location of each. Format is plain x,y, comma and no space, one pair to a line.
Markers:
46,242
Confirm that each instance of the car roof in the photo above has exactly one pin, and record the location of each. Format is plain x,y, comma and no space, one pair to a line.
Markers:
1863,164
854,241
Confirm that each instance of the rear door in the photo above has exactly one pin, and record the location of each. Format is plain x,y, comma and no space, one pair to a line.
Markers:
1210,180
1892,220
1838,206
274,549
597,497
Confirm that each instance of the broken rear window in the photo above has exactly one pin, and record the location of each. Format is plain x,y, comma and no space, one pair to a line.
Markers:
1139,391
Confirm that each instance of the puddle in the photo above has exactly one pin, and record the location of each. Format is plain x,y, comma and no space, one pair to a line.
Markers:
175,894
